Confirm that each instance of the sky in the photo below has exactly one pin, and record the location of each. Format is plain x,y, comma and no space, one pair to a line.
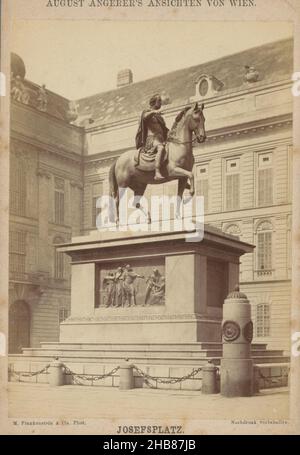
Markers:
81,58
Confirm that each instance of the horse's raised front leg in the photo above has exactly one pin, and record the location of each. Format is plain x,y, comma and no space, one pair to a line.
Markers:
180,172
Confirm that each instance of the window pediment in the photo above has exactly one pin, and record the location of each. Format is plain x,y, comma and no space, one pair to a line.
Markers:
264,226
232,229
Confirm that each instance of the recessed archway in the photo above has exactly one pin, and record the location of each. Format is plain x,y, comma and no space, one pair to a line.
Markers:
19,326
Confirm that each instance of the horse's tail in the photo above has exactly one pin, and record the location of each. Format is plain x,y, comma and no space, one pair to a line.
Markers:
113,193
113,185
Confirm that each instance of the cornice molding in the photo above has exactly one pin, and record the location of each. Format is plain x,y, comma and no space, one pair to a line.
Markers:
44,114
108,157
250,128
117,316
43,147
219,134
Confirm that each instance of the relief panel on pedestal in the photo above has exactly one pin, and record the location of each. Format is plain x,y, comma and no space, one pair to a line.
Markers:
130,284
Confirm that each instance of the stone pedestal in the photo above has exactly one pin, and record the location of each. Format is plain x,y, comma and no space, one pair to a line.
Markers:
191,280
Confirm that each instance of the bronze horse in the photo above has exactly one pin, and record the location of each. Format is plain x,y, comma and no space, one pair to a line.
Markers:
179,165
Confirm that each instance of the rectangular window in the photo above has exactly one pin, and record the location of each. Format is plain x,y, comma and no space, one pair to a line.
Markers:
264,251
290,172
97,192
262,326
202,186
59,201
265,179
59,265
63,314
17,254
232,184
17,187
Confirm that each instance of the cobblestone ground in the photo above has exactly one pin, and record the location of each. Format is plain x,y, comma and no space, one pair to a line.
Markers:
41,401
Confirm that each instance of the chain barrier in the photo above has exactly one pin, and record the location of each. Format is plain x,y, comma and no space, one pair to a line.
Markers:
147,377
67,371
30,375
93,378
167,381
148,384
86,377
77,377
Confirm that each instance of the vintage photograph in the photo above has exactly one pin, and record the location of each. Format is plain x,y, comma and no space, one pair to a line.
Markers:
114,318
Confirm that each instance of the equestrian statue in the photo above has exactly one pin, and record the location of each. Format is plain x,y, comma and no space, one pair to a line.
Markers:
162,155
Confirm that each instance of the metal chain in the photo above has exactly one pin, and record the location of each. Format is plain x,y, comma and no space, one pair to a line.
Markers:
148,384
93,378
146,376
167,381
86,377
67,371
30,375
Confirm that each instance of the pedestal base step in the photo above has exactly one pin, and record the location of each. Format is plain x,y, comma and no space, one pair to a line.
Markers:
161,361
165,354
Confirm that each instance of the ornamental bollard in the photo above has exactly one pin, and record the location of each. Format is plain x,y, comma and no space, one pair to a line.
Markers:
56,373
256,378
237,333
209,378
126,376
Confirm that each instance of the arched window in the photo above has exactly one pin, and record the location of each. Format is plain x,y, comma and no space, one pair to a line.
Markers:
58,260
264,260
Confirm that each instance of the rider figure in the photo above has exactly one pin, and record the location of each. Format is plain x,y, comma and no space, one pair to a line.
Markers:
153,132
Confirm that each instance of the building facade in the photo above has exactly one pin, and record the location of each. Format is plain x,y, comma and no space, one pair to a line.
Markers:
61,153
45,206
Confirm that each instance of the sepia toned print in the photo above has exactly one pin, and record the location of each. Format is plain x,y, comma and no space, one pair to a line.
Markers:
156,328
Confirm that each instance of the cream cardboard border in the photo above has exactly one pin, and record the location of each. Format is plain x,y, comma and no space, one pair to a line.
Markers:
265,10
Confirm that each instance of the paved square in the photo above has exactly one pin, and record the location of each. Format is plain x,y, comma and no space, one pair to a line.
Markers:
41,401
